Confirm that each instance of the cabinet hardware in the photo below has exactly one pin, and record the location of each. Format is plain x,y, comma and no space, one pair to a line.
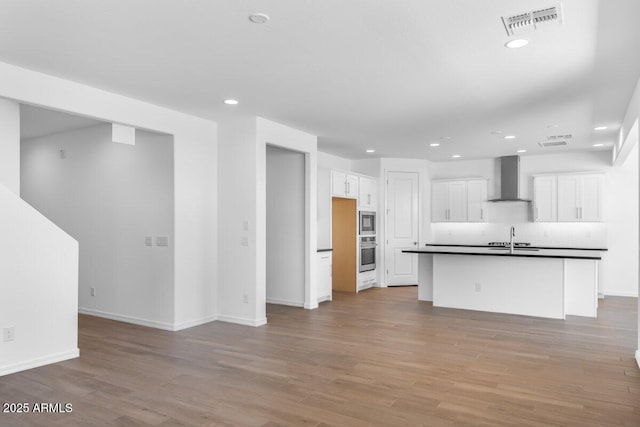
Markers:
481,213
345,189
537,214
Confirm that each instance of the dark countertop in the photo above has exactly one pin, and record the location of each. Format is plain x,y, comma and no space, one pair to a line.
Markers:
533,247
325,250
501,251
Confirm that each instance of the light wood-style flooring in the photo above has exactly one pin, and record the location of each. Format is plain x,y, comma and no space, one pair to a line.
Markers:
380,357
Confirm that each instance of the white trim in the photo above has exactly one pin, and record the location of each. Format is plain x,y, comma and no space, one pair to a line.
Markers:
620,294
242,320
128,319
194,322
638,357
39,361
310,306
324,298
285,302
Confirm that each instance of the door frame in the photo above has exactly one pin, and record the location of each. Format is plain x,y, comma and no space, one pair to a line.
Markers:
421,171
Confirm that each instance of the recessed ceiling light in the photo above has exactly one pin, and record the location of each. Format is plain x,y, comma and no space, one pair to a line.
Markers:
445,137
456,156
510,137
231,102
517,43
371,151
434,144
599,128
259,18
598,145
522,151
496,132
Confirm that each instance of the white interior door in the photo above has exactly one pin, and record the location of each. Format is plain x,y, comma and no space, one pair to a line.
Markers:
402,228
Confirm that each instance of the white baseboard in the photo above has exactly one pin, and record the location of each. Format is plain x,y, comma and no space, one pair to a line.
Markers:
325,298
128,319
285,302
638,357
191,323
242,320
310,306
39,361
379,285
621,294
166,326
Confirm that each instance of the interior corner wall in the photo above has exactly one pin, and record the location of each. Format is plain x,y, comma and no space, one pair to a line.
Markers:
109,197
195,175
10,144
285,242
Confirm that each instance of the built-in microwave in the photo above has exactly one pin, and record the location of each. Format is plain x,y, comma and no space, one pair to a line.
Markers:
367,223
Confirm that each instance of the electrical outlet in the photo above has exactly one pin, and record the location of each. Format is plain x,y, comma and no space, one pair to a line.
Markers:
148,240
478,287
9,334
245,298
244,241
93,292
245,225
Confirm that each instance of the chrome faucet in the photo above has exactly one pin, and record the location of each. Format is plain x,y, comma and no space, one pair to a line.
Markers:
512,234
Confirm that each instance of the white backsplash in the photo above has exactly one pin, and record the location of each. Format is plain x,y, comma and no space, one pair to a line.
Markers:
505,214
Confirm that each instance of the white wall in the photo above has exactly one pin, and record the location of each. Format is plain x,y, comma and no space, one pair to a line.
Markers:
195,175
109,196
239,276
38,292
329,161
10,148
285,227
619,265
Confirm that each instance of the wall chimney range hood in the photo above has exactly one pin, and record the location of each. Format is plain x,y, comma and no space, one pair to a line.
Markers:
510,180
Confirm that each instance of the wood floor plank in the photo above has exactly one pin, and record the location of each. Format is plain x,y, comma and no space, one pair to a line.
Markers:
379,357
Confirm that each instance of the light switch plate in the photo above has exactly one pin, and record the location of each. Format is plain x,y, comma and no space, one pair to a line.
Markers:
9,334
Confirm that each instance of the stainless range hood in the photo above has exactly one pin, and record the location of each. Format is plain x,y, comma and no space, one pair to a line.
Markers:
510,180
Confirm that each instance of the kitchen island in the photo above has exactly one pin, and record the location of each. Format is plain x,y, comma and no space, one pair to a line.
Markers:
532,281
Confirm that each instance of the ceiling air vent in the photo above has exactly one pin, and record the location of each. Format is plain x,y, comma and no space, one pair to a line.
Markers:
558,137
555,143
530,21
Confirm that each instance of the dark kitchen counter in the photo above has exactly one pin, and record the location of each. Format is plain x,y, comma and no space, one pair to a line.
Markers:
532,247
527,252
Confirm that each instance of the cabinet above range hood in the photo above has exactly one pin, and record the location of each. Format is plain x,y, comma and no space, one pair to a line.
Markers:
510,180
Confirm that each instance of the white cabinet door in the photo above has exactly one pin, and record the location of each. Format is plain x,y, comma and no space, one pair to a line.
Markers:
324,275
352,187
367,194
440,202
458,201
590,208
476,200
338,184
568,198
545,199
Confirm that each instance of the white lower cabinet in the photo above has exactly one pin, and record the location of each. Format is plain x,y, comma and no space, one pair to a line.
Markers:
324,275
366,280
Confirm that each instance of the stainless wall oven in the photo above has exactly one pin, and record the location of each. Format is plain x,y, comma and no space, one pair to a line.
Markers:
367,223
367,253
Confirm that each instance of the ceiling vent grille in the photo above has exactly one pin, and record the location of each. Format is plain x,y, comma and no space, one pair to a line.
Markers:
530,21
558,137
556,143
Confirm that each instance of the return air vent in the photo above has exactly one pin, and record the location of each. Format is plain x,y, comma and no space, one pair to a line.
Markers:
556,143
530,21
558,137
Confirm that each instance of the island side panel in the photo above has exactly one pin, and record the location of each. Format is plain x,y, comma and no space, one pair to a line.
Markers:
501,284
581,287
425,277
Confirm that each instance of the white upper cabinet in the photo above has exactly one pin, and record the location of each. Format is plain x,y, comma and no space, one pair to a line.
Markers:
477,200
367,198
580,198
568,198
545,199
458,201
344,185
440,202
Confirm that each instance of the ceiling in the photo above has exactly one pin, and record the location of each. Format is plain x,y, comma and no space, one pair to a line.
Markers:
389,75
